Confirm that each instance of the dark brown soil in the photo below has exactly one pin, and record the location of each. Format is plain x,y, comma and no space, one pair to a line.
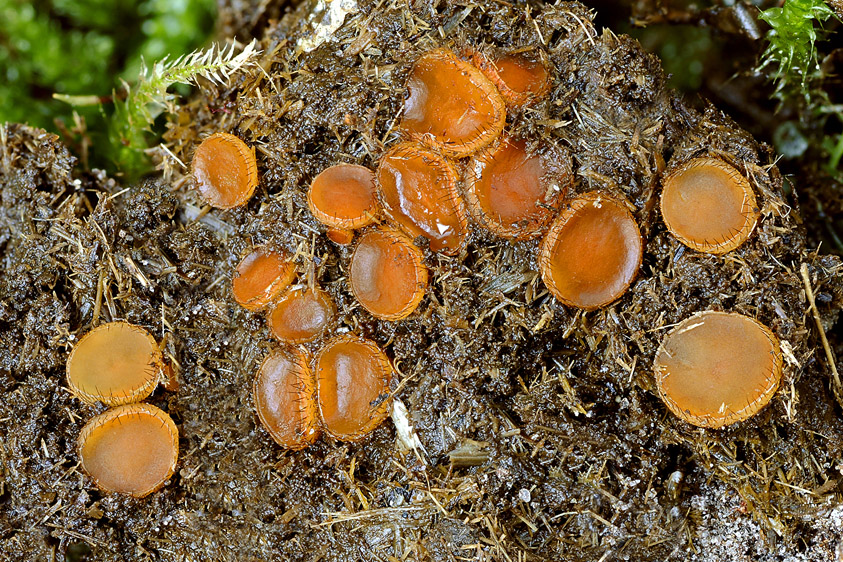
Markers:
541,435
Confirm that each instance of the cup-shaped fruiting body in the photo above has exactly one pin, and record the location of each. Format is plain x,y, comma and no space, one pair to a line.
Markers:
520,77
302,315
709,205
115,363
418,190
352,380
718,368
592,251
285,398
451,104
343,198
131,449
224,171
387,275
261,276
513,193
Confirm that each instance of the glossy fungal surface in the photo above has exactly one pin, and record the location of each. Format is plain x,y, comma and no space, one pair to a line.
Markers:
418,190
284,395
302,315
352,380
115,363
224,171
131,449
387,274
451,104
592,251
709,205
344,198
260,277
519,77
718,368
513,193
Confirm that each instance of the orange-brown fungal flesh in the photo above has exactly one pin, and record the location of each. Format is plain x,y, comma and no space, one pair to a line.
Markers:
592,251
344,198
285,398
718,368
387,274
131,449
709,206
515,194
519,78
451,104
418,190
224,171
302,315
115,363
260,277
352,381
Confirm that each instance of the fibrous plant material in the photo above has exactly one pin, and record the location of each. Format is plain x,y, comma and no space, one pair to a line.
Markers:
284,396
514,193
132,449
302,315
418,190
387,274
224,171
451,105
592,252
352,381
115,363
261,276
519,77
717,368
709,205
344,198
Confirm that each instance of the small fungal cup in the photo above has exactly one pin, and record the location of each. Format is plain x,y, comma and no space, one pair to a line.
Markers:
131,449
115,363
301,316
260,277
352,381
224,171
592,251
343,198
717,368
520,77
709,205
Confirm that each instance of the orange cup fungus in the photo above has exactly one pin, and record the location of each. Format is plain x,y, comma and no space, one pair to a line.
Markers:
131,449
513,193
343,198
302,315
225,171
519,77
284,392
709,206
718,368
418,190
115,363
592,251
387,274
260,277
352,385
451,104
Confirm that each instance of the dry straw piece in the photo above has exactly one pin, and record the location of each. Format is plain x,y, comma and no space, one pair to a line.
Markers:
451,105
592,252
718,368
387,274
131,449
709,205
344,198
284,395
225,171
261,276
352,380
302,315
115,363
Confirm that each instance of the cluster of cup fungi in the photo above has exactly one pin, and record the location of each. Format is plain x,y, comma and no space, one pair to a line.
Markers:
456,163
